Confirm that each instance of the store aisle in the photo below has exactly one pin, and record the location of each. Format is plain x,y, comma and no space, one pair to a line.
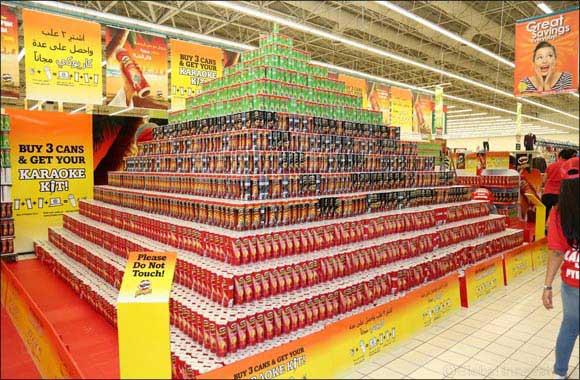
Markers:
508,335
16,362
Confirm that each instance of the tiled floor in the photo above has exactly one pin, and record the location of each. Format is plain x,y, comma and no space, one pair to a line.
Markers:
508,335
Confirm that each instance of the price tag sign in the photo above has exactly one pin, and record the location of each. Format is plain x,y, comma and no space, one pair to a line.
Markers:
143,316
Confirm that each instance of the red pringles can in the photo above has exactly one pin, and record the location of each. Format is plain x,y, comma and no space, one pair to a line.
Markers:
133,73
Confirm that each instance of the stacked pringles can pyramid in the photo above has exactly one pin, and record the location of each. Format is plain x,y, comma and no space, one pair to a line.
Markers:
289,206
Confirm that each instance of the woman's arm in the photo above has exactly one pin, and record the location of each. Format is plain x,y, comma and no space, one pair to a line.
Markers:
554,262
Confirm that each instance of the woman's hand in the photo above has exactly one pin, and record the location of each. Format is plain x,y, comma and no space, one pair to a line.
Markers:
547,299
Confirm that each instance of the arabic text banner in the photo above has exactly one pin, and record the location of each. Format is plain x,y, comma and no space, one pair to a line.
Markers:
51,154
63,58
192,65
136,69
546,54
9,42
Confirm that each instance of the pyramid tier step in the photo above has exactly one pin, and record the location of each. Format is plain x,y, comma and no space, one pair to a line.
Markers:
228,284
277,186
255,215
227,329
189,357
272,120
241,247
277,162
275,140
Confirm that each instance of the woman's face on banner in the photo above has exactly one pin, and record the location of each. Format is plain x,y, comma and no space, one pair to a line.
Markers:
545,61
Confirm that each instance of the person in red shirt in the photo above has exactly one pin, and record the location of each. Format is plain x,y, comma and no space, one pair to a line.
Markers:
563,241
552,185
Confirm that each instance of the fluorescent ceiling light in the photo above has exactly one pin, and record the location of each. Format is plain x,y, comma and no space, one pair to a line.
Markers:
103,17
21,55
460,111
472,114
443,31
545,8
368,48
79,109
449,107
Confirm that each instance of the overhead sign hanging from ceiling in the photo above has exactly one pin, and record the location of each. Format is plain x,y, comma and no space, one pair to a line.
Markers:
546,54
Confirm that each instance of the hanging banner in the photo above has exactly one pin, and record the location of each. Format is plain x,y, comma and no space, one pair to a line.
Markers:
379,99
63,58
9,66
422,119
438,122
192,65
136,69
546,54
355,86
402,109
51,154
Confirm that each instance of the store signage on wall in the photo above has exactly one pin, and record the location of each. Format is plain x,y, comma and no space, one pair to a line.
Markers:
546,54
63,58
402,109
9,42
136,69
192,65
51,154
143,315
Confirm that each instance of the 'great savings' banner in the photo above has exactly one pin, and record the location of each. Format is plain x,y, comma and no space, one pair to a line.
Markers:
547,54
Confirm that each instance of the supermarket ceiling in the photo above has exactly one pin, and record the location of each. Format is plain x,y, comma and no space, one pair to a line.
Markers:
489,24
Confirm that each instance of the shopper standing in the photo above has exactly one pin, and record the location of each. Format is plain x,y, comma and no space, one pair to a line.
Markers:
563,241
553,177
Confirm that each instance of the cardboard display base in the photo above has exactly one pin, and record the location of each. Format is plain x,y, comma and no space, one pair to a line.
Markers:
92,342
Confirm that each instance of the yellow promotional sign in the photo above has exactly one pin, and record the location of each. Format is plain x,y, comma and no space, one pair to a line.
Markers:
517,263
439,120
497,160
51,154
483,279
471,161
143,316
355,86
45,347
540,227
355,339
192,65
63,58
540,254
402,109
9,63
